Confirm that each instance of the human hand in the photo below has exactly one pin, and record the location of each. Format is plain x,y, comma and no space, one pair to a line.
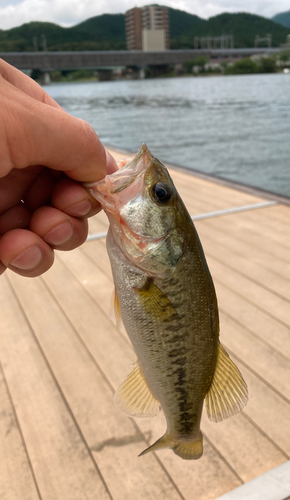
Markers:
44,154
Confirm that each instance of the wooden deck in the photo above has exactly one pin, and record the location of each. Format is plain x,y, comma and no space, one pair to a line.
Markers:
61,437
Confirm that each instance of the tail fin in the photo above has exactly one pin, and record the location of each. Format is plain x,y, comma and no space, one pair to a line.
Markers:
188,450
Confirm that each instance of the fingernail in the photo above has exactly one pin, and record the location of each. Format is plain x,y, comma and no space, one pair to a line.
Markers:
80,209
59,234
29,259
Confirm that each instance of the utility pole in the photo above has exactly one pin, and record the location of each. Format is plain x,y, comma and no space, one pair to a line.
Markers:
44,44
267,38
35,46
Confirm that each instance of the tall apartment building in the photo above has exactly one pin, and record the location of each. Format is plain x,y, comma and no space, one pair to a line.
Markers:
133,27
147,28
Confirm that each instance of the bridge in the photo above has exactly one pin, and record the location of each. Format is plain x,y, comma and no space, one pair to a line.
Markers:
50,61
131,58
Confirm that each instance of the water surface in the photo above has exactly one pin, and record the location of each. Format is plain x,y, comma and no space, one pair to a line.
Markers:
236,127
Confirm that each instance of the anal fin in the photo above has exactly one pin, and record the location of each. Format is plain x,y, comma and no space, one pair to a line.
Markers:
134,397
228,393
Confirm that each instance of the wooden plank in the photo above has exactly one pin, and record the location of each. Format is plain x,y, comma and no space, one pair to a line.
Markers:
243,445
264,361
264,299
243,248
253,270
267,410
261,219
253,225
62,463
111,436
256,321
14,462
281,213
114,355
233,224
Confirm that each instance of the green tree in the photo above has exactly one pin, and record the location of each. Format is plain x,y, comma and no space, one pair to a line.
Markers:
267,65
243,67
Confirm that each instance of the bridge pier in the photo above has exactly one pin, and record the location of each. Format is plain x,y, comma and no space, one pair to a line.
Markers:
104,75
45,78
157,70
141,73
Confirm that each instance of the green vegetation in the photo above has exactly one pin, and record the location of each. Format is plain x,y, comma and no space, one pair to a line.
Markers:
243,26
107,32
284,55
180,23
197,61
247,66
282,18
243,67
267,65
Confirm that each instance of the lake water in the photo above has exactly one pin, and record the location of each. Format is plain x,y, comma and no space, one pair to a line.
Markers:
235,127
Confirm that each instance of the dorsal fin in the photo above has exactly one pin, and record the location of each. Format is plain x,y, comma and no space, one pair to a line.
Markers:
228,393
134,397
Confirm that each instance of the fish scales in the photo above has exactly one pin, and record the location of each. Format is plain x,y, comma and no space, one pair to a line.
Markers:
167,302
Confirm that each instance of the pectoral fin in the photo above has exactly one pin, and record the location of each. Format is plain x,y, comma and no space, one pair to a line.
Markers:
155,302
134,397
228,393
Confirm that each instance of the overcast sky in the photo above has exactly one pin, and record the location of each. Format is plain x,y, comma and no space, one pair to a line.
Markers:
70,12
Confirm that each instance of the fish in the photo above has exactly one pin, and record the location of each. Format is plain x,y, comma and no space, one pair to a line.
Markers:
165,296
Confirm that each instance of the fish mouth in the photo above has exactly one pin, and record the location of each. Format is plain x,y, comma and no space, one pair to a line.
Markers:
129,170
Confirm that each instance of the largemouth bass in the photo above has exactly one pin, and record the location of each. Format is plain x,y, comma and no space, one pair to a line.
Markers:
166,298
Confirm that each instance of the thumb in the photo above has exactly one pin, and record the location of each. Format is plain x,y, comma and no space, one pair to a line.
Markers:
38,134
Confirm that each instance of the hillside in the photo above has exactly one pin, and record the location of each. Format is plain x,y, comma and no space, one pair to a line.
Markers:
243,26
107,32
283,18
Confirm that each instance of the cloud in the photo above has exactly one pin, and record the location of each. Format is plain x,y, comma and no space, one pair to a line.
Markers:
70,12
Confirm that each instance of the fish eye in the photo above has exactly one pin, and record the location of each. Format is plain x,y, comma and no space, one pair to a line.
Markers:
161,192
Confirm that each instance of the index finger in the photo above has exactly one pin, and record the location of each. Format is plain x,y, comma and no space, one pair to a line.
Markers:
25,84
46,134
